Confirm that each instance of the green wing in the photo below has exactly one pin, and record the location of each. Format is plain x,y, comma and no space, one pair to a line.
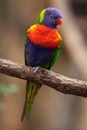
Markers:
54,58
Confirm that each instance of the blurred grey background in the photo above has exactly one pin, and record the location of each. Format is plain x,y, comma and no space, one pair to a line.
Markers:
52,110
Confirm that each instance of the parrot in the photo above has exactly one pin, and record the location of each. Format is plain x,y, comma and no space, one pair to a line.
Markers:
43,43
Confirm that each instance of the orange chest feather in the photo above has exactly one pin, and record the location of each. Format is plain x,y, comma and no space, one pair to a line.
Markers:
44,36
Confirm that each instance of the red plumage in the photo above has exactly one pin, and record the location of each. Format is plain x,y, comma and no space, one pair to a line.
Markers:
44,36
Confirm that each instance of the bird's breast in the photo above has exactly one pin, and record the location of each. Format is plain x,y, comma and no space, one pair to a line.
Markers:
37,55
44,36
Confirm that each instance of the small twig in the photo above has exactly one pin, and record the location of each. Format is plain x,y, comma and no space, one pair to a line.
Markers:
59,82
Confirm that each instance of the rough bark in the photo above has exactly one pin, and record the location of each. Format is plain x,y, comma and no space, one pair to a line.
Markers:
58,82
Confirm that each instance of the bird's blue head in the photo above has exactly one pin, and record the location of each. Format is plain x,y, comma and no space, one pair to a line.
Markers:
50,17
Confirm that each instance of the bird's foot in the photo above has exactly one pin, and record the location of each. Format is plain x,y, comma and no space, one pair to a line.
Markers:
35,69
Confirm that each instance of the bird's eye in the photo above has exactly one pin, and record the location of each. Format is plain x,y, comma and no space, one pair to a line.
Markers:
51,16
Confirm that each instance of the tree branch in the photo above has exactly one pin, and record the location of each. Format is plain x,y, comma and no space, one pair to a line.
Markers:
59,82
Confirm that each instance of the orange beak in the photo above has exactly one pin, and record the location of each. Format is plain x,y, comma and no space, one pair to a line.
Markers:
59,22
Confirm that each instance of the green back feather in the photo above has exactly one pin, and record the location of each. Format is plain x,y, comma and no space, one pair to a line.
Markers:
41,17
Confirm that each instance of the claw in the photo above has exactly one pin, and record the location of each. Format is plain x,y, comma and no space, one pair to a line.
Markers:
35,69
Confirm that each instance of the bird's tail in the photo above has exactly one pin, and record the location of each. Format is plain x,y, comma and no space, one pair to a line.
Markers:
31,91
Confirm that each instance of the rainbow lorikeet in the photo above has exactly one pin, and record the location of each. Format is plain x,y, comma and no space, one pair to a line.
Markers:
42,48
